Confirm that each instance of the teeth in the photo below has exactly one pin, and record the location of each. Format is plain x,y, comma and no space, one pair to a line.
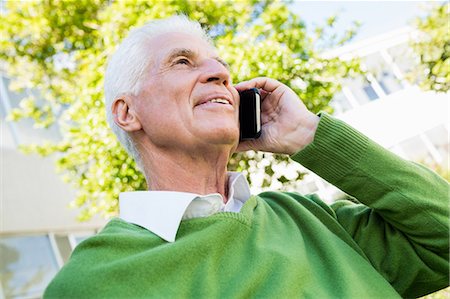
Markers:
221,101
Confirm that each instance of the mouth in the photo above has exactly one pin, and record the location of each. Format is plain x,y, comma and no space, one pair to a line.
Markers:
216,100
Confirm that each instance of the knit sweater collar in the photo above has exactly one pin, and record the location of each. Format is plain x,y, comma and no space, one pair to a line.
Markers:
161,212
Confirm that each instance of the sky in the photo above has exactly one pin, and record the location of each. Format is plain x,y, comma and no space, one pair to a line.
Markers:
376,17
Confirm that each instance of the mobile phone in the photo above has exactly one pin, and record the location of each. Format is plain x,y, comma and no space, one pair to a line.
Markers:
250,114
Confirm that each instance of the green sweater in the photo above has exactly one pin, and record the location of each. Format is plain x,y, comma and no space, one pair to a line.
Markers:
286,245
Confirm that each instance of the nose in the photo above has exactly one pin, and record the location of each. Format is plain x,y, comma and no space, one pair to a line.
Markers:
215,72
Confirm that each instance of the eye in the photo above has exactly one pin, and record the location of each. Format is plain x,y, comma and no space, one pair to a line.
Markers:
183,61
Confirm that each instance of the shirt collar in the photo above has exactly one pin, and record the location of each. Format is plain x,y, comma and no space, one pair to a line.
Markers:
161,212
238,187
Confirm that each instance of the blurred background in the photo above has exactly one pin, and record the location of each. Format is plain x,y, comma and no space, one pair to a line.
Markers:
383,67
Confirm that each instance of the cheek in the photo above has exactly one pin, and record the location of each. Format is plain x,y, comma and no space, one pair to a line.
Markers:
165,105
161,117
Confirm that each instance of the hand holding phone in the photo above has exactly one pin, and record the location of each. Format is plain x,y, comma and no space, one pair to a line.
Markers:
250,114
288,125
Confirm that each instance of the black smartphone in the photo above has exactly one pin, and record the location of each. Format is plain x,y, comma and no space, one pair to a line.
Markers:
250,114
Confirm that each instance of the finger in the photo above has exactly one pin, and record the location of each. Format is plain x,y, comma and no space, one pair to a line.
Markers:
243,85
264,94
264,83
247,85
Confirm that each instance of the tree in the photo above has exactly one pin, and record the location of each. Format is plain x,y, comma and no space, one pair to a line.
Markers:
433,48
60,48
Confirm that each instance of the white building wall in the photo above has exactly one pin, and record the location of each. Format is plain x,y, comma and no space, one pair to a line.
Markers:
387,108
38,230
34,198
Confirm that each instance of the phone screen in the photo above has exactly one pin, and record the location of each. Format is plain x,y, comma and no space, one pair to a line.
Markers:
250,114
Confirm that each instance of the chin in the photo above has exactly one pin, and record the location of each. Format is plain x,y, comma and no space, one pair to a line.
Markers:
223,135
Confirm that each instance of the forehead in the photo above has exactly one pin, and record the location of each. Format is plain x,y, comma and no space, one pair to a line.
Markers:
163,45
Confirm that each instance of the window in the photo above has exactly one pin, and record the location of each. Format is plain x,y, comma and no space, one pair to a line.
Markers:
27,264
80,239
383,73
389,83
24,130
415,149
370,92
362,90
404,57
7,136
340,103
439,138
64,247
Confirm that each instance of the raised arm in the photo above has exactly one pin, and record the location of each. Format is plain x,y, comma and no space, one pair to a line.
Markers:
402,224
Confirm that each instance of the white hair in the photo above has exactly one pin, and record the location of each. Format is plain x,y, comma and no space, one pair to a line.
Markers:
126,68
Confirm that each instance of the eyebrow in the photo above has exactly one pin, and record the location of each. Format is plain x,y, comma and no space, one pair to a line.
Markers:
223,62
191,54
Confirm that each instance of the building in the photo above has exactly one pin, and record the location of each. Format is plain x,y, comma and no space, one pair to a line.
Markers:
383,105
38,231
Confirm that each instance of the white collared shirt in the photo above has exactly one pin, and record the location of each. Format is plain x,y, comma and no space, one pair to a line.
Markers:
161,212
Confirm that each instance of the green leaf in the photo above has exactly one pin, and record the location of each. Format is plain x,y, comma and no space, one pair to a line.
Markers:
60,48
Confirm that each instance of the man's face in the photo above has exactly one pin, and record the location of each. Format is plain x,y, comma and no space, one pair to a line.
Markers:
186,99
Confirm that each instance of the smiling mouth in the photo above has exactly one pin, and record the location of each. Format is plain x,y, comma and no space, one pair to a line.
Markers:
220,101
213,101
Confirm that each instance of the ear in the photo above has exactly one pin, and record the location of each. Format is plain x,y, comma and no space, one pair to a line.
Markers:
125,117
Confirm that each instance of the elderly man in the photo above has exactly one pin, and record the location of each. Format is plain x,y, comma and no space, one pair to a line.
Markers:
198,233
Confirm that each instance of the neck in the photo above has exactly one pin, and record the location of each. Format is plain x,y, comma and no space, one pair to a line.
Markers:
203,173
